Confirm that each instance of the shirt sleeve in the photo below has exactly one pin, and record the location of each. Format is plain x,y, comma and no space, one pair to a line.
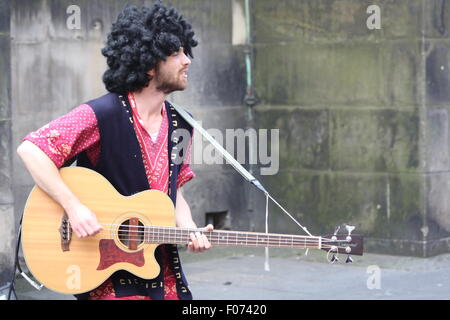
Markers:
186,174
67,136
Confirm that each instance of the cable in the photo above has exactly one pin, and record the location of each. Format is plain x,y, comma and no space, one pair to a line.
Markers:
16,263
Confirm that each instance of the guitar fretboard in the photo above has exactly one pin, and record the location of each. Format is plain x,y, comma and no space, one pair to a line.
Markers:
171,235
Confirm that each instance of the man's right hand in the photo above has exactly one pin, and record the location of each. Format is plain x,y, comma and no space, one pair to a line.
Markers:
83,222
46,175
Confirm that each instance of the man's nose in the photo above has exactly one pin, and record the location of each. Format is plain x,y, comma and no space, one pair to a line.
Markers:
186,60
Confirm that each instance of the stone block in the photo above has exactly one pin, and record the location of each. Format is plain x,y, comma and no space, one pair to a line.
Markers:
380,206
6,195
333,20
211,20
437,73
5,13
216,78
51,78
438,204
50,19
217,122
320,74
21,192
7,243
5,79
437,146
400,73
26,13
436,17
303,134
375,141
96,18
218,191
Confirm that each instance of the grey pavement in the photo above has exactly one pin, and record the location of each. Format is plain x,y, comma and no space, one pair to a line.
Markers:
238,274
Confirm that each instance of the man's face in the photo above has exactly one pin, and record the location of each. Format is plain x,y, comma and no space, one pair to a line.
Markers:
171,75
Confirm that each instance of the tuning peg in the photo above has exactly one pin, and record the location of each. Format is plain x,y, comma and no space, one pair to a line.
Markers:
336,230
333,252
349,259
349,230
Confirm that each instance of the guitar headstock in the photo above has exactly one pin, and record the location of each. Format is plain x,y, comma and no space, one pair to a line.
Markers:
349,244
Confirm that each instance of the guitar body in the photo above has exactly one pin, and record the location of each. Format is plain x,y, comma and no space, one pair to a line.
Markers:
68,264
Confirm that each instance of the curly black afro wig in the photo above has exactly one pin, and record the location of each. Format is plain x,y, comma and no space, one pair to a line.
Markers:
138,40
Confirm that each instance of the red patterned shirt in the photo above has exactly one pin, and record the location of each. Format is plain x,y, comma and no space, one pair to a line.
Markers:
78,131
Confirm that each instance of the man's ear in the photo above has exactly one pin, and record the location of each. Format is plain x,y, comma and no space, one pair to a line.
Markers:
152,73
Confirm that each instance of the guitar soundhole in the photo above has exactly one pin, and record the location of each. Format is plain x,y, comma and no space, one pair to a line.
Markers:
131,233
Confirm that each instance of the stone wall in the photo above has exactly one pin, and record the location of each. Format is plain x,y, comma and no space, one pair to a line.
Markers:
364,117
7,220
435,122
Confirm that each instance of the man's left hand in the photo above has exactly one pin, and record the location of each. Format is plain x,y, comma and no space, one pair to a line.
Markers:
199,242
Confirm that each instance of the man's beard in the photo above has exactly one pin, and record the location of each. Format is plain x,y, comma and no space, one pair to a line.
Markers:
167,85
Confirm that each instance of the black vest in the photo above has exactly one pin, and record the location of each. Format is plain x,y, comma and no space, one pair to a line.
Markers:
121,163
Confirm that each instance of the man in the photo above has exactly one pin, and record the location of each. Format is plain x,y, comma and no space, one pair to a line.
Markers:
126,136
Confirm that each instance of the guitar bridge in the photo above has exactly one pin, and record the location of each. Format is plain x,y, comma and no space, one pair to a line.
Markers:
66,233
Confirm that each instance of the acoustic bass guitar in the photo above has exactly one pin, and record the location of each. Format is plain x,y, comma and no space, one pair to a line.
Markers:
132,229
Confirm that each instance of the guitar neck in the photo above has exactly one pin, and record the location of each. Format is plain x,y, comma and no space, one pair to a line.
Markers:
171,235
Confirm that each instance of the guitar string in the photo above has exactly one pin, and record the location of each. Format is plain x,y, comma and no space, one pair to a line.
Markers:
255,244
170,228
221,238
242,243
157,230
232,234
251,242
199,230
177,229
260,237
237,240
